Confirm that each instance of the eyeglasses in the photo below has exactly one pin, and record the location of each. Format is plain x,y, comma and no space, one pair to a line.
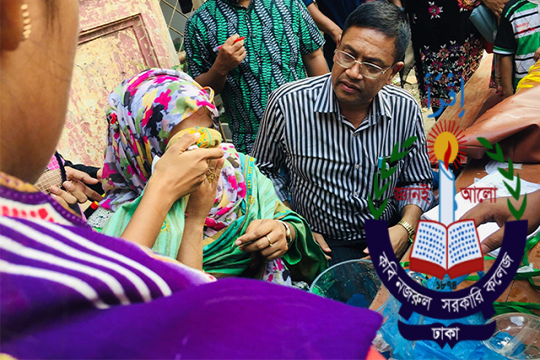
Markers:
346,60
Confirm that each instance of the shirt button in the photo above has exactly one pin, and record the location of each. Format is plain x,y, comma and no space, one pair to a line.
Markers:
357,166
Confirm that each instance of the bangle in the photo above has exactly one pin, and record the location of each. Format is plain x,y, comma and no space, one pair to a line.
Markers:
287,232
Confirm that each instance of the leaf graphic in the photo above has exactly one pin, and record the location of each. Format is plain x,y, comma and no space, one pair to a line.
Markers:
374,211
514,193
396,155
379,191
409,142
385,174
510,173
498,155
518,214
485,143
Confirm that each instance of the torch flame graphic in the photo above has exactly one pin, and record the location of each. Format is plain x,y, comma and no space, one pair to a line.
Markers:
447,155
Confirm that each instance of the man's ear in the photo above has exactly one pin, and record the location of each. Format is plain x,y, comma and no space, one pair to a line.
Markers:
395,69
11,24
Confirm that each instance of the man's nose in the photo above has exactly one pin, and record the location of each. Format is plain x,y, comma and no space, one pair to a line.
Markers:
354,72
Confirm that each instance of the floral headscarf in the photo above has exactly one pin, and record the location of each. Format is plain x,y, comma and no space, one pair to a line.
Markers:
143,111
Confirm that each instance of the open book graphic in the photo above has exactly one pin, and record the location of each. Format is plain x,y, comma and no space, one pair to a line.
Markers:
453,250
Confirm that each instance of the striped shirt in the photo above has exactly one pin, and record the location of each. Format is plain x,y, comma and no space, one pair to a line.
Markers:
330,165
519,35
278,33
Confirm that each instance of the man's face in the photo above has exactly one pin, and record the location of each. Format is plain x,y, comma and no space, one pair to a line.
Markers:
365,45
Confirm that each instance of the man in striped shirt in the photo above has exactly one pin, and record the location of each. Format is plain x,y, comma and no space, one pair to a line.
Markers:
328,133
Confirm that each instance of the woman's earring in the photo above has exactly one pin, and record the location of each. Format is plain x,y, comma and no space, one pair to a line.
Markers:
27,26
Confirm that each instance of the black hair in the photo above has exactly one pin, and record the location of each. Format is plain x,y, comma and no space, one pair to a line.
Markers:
386,18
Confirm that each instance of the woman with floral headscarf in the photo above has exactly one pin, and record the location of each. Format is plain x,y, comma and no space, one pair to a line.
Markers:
230,226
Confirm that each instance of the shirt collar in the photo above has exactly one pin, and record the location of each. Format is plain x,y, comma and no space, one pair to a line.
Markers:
327,103
381,104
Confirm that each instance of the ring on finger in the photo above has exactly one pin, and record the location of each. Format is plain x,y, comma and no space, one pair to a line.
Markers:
269,242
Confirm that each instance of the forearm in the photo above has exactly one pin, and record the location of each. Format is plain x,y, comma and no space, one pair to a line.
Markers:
323,22
315,63
147,220
507,71
191,247
214,78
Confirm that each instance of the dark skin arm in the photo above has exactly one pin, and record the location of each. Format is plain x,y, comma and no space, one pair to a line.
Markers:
315,63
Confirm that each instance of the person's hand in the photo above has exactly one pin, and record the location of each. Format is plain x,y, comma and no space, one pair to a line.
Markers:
75,187
399,238
231,54
496,6
322,243
201,200
336,34
500,213
180,172
537,54
77,175
266,236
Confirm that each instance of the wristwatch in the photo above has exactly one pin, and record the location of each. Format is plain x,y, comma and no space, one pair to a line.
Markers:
409,229
287,233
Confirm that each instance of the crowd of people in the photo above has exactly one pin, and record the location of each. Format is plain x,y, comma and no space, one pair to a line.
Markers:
180,207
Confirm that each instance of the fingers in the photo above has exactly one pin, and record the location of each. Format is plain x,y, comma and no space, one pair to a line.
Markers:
75,191
479,214
322,243
74,174
269,249
253,232
208,154
279,245
60,200
492,242
231,40
185,141
66,197
238,46
215,166
92,195
275,255
217,169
